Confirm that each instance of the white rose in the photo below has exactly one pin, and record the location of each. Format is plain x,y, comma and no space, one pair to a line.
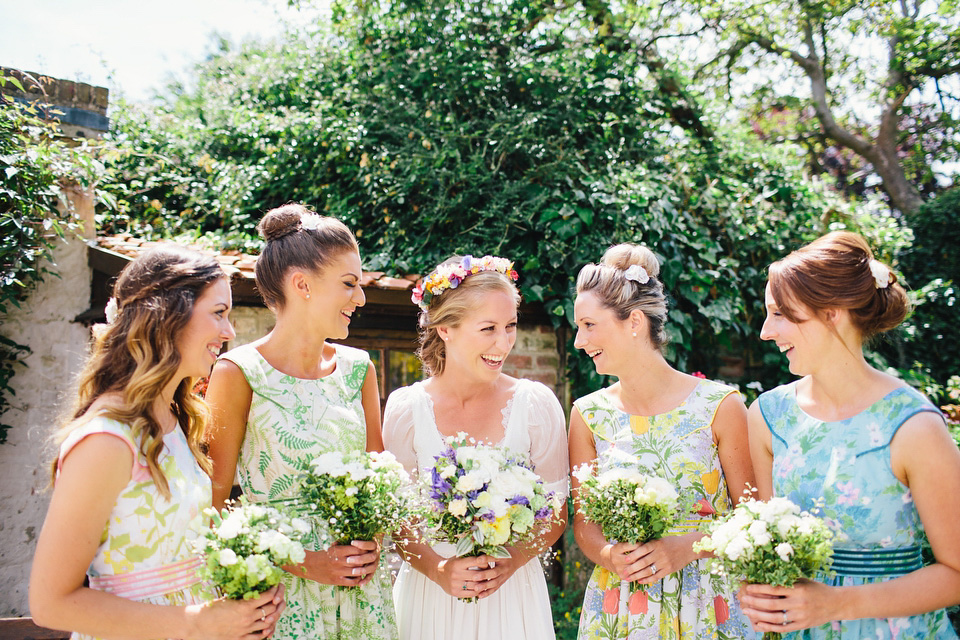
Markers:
784,550
458,507
227,557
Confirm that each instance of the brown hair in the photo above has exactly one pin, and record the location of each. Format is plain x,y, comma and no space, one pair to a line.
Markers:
834,272
608,282
290,245
449,309
136,355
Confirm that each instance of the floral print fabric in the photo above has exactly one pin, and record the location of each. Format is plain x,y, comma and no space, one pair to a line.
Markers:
145,530
845,467
291,422
691,604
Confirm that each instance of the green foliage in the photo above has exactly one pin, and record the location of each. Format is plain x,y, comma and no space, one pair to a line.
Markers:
931,267
33,166
447,128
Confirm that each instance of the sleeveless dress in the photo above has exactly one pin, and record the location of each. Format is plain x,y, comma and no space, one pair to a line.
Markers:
291,422
144,553
520,610
846,466
691,603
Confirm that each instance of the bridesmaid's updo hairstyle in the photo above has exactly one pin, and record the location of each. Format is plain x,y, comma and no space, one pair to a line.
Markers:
296,238
449,309
625,280
838,271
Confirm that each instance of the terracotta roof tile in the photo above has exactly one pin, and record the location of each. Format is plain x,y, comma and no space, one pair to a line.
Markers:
240,265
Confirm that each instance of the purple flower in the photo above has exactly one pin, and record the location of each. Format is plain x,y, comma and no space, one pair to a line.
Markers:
543,513
519,500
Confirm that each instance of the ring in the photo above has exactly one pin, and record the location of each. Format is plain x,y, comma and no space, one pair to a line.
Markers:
784,623
263,615
653,566
464,587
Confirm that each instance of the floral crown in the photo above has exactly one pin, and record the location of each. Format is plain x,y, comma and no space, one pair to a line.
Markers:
449,276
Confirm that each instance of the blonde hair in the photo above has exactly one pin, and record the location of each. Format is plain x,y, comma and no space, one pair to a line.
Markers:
449,309
608,282
136,356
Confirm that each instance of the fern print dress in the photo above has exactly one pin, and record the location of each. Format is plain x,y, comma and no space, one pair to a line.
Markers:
144,551
845,466
691,604
291,422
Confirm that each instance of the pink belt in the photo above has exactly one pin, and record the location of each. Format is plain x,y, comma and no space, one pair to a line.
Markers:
152,582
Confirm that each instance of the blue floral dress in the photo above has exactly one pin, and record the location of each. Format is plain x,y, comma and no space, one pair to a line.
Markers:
691,604
846,466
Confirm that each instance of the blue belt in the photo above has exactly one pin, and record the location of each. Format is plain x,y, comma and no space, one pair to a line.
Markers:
877,562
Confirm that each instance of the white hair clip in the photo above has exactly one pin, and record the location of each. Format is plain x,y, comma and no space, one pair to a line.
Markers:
637,273
881,274
112,310
311,221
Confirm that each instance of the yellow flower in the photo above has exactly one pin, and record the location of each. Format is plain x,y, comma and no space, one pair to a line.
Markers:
639,424
711,481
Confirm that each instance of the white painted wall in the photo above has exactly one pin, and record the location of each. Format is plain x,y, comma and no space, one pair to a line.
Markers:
44,388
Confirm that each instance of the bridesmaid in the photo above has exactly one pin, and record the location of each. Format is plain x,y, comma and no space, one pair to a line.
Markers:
870,450
674,424
283,400
468,323
130,479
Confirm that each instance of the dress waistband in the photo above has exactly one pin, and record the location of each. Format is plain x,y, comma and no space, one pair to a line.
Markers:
152,582
877,562
687,525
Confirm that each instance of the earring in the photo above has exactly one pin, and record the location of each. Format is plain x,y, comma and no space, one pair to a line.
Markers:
634,334
308,297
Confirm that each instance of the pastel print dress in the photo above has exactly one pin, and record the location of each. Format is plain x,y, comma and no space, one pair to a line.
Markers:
691,604
144,551
845,466
291,422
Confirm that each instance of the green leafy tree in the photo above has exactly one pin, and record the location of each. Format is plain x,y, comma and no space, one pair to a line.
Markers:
34,167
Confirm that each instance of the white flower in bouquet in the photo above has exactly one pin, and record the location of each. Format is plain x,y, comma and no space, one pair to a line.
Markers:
768,542
481,500
354,495
245,547
629,506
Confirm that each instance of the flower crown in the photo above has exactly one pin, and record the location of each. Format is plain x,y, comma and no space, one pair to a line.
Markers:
449,276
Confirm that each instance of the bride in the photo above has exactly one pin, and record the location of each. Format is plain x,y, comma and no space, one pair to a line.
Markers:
468,325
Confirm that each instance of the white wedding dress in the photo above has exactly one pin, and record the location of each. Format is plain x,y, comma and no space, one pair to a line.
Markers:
520,610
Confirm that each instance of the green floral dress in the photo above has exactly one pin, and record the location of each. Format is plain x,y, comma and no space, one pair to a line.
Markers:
691,604
291,422
843,468
144,551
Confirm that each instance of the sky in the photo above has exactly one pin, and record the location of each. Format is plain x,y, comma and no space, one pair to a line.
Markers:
131,47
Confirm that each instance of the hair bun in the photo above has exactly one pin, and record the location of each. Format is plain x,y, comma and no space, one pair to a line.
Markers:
624,255
281,221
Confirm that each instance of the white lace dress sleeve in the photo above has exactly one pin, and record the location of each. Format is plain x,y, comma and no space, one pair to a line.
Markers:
548,439
399,428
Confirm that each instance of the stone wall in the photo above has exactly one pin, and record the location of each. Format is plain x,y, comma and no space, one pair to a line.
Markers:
45,324
80,108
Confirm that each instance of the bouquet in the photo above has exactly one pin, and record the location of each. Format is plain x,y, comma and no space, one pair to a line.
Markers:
483,500
246,546
356,495
628,506
771,542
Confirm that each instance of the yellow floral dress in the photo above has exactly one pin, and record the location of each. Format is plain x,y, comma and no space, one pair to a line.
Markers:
691,604
144,551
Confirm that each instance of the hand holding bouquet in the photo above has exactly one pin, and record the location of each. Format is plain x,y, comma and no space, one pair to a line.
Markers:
246,546
356,495
768,542
482,500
